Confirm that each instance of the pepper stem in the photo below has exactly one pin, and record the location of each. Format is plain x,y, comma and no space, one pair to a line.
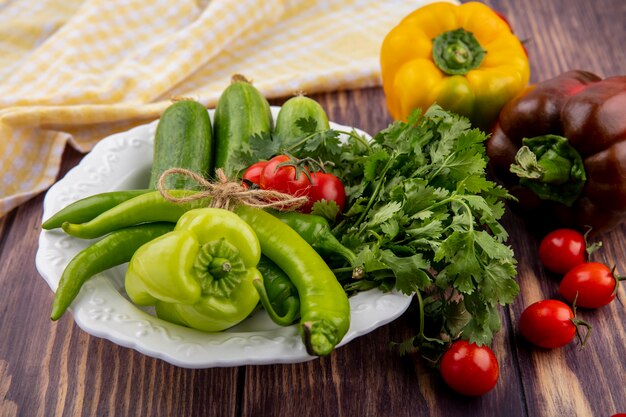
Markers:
319,337
457,52
219,268
551,168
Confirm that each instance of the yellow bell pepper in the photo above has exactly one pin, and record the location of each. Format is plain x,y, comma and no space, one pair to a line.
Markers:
463,57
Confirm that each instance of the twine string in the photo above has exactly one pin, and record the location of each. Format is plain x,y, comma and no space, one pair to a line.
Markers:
226,194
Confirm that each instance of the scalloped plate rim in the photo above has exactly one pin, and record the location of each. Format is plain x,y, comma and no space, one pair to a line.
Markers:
120,322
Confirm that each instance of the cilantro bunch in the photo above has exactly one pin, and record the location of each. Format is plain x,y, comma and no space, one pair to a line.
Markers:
422,218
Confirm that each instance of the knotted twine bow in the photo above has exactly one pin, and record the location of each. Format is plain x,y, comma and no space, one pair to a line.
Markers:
226,194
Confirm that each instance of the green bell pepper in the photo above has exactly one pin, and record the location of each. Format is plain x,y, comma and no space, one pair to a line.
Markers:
201,274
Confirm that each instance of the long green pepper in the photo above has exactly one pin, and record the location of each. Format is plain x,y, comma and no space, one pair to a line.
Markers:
279,296
87,208
324,306
114,249
145,208
316,231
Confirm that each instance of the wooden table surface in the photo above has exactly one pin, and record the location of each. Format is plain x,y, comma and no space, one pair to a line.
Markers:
56,369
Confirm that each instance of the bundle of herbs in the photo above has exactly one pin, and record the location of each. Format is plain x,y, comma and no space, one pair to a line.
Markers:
422,217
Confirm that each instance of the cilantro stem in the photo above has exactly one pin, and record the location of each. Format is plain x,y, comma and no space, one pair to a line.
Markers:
352,134
459,199
441,166
374,195
298,144
469,210
422,323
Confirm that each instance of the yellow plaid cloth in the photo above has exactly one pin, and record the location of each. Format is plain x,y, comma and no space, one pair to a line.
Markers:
79,70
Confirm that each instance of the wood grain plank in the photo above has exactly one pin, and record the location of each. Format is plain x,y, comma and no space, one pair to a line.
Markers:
57,369
562,35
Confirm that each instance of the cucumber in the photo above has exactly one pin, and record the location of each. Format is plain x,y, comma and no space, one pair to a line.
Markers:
295,108
241,112
183,139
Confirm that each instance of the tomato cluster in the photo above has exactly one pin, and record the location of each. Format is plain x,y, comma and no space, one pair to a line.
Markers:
291,176
552,323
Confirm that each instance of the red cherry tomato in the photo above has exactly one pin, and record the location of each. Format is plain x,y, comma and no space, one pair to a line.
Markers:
469,369
548,324
253,173
591,284
283,178
328,187
562,249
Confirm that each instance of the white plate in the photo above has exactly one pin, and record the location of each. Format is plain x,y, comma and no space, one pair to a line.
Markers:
123,161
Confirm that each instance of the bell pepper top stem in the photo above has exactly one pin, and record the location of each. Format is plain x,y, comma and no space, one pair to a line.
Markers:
551,168
219,268
457,52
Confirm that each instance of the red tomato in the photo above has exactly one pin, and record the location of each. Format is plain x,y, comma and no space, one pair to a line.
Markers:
469,369
326,187
619,415
253,173
548,324
593,282
562,249
283,178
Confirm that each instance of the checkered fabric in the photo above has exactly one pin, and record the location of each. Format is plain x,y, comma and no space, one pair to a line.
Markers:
79,70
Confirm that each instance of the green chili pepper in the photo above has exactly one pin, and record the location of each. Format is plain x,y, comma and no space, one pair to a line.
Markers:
114,249
201,274
145,208
87,208
279,296
315,230
324,306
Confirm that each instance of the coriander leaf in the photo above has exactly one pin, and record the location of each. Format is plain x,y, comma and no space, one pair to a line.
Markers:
327,209
390,228
263,145
308,125
491,247
356,208
369,257
409,271
456,317
374,164
480,207
322,145
474,184
462,264
430,230
484,321
497,284
384,213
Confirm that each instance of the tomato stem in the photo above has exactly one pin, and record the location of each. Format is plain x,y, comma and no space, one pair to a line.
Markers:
578,323
618,278
591,248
